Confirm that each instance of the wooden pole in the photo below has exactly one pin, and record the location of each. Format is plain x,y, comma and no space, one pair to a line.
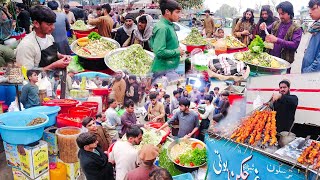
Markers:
63,84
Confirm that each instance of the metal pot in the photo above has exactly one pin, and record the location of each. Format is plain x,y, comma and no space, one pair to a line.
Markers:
286,138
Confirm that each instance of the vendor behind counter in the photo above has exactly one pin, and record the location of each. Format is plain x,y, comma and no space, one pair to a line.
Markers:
285,105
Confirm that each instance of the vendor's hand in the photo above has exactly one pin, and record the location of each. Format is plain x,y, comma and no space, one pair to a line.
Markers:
188,135
181,51
251,36
68,58
60,64
263,26
154,119
245,32
271,38
276,97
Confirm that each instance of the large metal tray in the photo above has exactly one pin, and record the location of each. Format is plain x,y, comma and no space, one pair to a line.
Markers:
74,45
107,58
269,70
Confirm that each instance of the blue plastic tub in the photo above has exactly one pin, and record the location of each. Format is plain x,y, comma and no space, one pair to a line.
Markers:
50,111
15,130
186,176
92,75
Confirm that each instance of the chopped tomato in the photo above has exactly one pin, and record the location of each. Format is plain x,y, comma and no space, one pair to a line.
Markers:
191,164
195,145
177,161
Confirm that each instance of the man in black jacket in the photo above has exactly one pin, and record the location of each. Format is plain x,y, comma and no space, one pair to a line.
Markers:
93,161
23,17
285,105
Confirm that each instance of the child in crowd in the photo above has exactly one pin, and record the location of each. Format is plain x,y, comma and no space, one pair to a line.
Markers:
100,118
219,33
30,92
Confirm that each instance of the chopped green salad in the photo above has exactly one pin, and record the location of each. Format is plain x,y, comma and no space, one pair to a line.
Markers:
195,38
79,25
134,59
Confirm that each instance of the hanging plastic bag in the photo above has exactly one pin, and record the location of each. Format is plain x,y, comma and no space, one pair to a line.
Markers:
257,102
14,106
74,65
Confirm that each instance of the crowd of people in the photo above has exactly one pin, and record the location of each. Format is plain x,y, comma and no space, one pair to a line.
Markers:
109,127
284,33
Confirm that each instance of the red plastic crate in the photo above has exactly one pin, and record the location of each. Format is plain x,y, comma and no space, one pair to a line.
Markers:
82,111
65,104
64,120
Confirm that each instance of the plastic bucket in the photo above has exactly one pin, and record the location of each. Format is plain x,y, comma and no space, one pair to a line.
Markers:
91,105
65,104
100,92
68,148
50,111
73,120
191,48
82,111
15,130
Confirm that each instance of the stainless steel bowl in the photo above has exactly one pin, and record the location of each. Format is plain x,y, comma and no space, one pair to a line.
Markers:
269,70
107,58
74,45
286,138
190,141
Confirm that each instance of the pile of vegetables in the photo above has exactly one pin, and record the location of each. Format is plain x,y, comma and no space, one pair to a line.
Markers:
260,59
134,59
149,137
256,56
94,36
233,42
195,156
79,25
94,46
256,45
195,38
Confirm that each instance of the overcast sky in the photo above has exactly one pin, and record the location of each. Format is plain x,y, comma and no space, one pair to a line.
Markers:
215,4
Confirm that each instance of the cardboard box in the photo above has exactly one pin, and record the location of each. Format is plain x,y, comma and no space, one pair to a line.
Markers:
73,170
36,160
50,137
12,155
19,175
53,158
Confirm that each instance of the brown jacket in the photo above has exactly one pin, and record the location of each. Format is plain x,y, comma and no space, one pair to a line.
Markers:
208,25
241,26
156,111
119,89
104,24
104,140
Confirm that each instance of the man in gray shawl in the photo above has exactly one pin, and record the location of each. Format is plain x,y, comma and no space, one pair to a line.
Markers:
143,33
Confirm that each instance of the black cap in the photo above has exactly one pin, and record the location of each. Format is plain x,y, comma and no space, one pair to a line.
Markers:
129,16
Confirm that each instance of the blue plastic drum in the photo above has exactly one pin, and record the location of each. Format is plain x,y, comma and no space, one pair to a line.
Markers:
50,111
15,129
